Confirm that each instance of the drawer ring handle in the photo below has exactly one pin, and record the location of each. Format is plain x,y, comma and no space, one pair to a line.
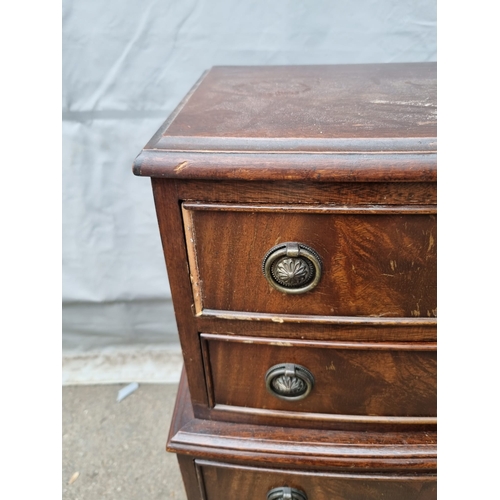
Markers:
289,381
292,267
286,493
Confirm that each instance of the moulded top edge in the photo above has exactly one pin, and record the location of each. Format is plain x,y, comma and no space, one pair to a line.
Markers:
312,167
296,144
339,122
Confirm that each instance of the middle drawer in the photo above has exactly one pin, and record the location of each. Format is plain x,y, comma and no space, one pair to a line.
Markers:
333,380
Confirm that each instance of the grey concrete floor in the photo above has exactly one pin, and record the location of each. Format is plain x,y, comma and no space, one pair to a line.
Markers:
118,449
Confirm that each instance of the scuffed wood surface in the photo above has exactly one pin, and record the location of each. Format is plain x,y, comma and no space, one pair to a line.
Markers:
338,101
279,192
350,378
299,448
303,167
374,123
343,159
373,265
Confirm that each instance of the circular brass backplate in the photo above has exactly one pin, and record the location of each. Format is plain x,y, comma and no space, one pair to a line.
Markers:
292,267
289,381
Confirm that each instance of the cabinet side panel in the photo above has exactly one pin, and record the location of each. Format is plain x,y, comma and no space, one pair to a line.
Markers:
171,226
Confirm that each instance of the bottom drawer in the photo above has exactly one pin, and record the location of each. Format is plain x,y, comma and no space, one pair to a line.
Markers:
218,481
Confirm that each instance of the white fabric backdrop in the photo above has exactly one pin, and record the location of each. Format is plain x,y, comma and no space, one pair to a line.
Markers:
126,65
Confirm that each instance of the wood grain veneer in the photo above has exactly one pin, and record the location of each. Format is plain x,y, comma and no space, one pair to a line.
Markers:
375,380
342,159
359,451
378,260
219,480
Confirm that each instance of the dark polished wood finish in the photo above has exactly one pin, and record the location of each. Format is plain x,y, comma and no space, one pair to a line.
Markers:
322,463
334,193
343,160
372,101
377,260
351,379
297,447
285,316
298,123
227,481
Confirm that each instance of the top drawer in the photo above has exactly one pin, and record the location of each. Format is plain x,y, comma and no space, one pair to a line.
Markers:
376,261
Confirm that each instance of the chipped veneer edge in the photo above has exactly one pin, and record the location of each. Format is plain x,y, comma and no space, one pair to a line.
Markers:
194,274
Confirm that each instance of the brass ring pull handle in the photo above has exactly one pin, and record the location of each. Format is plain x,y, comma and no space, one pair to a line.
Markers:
285,493
292,267
289,382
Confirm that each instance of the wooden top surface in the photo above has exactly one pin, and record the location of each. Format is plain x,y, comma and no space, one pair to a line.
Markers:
291,110
346,101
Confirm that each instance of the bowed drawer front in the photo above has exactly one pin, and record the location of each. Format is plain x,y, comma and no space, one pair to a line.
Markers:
354,382
218,481
375,261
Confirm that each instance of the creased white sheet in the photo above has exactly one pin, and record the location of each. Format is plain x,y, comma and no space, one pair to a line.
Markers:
125,59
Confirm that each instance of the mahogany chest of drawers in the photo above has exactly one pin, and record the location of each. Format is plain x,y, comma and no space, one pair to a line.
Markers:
297,211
